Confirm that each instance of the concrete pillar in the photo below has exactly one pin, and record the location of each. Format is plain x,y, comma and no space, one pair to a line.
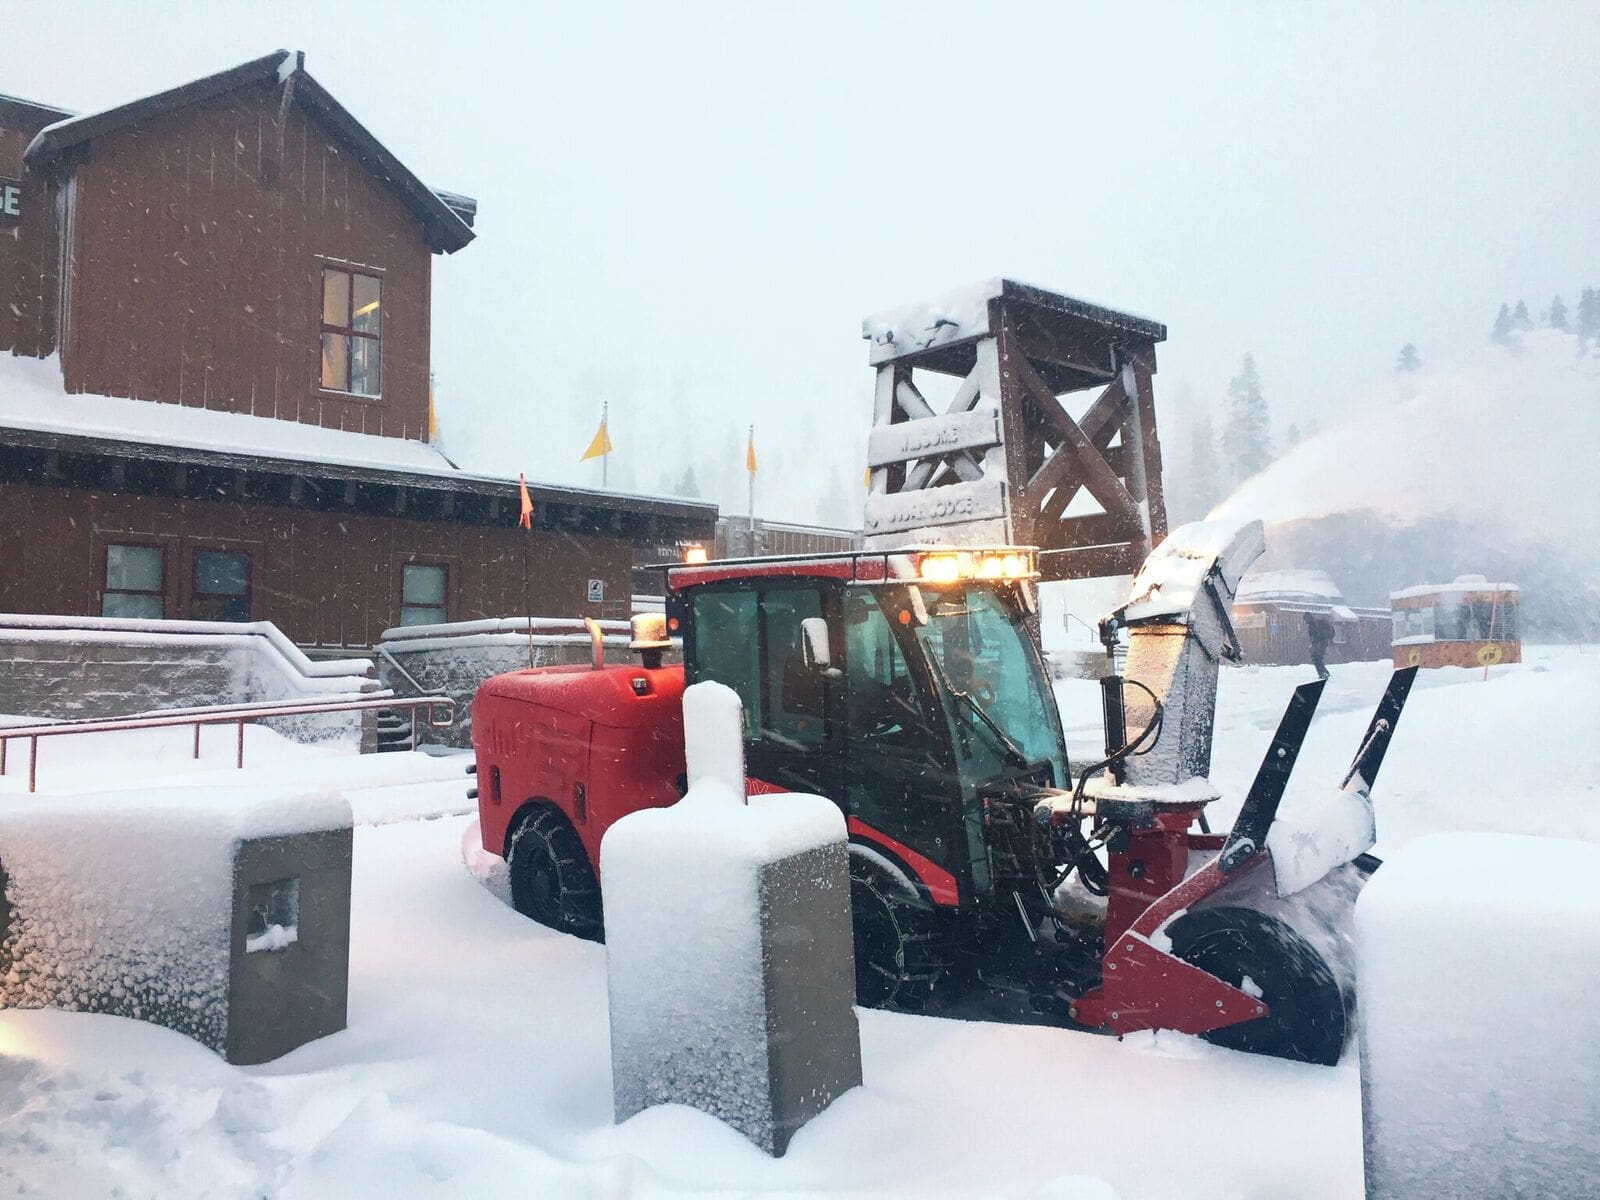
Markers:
728,944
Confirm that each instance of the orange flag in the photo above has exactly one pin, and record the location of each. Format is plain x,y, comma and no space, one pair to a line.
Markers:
526,519
750,452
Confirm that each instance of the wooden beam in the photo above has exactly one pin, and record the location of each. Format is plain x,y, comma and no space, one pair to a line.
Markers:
1093,471
914,406
1088,562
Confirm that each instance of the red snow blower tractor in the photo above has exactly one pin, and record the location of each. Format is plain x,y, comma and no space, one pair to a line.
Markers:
989,878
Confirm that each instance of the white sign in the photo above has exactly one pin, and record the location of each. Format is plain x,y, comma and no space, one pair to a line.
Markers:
10,199
958,503
597,591
933,436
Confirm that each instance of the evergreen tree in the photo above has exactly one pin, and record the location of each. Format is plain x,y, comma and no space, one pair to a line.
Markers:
687,485
1558,315
1291,435
1500,335
1247,435
1589,315
1204,484
1409,359
1520,319
833,506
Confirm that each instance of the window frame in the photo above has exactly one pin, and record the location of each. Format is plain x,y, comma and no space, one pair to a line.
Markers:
348,330
443,606
195,594
105,575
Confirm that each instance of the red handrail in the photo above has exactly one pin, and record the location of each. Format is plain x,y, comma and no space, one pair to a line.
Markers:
223,714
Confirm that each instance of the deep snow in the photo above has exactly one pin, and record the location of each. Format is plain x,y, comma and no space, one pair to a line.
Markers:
476,1062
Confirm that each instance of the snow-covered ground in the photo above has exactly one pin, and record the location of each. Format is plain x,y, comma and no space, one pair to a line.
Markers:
476,1062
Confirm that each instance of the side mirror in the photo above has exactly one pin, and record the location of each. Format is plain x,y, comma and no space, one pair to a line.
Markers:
814,645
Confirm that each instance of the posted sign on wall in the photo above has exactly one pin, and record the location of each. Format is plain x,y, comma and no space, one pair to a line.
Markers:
10,200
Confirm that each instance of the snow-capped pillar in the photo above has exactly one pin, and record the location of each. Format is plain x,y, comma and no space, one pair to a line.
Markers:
728,944
221,913
1480,1019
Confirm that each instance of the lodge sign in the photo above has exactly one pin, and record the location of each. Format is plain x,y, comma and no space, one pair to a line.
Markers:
10,200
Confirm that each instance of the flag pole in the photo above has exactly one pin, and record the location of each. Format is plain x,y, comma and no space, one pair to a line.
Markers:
752,474
605,430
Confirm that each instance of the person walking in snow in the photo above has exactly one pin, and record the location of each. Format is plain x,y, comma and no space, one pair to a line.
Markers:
1319,631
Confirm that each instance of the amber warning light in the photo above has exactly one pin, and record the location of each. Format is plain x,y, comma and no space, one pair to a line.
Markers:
695,554
956,566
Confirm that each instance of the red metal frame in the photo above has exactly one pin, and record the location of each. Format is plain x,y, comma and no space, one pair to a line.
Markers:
221,714
1144,986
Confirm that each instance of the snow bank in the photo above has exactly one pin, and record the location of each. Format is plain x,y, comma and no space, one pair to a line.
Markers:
128,902
728,944
1480,1025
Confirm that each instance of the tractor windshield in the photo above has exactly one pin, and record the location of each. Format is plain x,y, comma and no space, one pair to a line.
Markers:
998,699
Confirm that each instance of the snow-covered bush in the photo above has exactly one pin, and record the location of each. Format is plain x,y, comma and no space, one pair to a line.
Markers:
1479,976
728,944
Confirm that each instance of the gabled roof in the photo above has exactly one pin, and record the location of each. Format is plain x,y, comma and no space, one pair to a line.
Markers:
446,231
27,116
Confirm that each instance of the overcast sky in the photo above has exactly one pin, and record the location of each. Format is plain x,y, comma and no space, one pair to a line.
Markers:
686,210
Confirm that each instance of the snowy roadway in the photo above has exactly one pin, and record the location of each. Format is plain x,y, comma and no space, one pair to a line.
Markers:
476,1062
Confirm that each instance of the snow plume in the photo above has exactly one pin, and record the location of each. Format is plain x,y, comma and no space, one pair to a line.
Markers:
1504,442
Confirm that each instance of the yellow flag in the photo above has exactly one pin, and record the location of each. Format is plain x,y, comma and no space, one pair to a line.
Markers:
750,453
433,416
601,444
866,479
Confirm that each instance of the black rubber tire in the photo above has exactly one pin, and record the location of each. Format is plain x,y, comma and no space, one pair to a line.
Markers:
551,880
1306,1020
899,954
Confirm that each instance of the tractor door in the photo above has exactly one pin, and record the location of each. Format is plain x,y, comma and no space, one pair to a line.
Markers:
748,636
901,778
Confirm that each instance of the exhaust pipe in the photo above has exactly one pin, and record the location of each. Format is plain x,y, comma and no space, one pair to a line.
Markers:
597,644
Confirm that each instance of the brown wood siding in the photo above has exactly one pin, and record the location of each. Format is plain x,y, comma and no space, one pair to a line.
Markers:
27,257
329,578
199,243
1273,636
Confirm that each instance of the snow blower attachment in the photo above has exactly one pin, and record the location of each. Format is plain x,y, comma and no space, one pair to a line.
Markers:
987,880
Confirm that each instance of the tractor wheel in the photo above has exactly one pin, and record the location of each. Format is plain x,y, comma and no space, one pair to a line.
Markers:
551,880
1306,1013
898,957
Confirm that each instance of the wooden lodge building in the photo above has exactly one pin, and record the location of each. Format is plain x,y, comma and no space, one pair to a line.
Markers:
214,381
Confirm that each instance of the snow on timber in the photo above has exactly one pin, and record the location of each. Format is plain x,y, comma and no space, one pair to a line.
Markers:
477,1058
1470,440
1480,1026
32,397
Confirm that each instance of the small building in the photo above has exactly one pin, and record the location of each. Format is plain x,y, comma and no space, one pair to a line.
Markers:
1467,623
1269,615
215,381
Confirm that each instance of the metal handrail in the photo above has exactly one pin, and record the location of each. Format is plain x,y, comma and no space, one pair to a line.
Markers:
395,662
223,714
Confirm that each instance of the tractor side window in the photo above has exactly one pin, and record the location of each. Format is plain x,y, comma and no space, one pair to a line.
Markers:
792,712
881,698
725,651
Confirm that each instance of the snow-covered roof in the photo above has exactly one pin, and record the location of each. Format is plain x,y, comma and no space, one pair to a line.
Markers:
1458,586
33,402
1297,584
32,397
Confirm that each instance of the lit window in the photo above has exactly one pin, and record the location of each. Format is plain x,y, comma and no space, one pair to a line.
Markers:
351,330
221,586
422,592
133,583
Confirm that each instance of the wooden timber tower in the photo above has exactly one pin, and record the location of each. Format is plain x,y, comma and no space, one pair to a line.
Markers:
1008,461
